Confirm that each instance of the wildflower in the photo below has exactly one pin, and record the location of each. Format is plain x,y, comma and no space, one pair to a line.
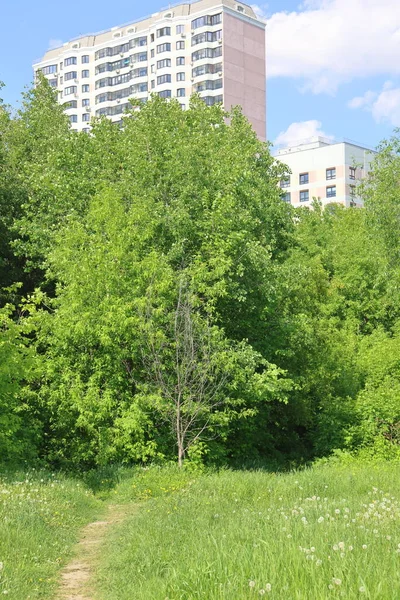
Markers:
1,566
312,549
337,581
252,584
321,520
337,511
335,547
261,592
318,563
362,589
268,587
364,546
341,545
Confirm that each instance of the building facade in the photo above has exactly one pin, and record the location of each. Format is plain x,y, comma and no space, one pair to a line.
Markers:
329,171
213,47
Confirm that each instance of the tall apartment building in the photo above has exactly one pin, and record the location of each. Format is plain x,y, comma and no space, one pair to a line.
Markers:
213,47
326,170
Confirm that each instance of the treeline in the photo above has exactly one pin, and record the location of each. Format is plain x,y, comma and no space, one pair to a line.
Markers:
159,301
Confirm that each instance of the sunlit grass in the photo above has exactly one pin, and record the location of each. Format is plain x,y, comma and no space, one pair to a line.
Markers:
322,533
40,518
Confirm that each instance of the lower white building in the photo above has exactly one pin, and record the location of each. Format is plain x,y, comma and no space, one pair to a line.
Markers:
326,170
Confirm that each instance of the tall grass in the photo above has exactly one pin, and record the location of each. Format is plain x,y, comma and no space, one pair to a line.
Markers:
326,532
40,518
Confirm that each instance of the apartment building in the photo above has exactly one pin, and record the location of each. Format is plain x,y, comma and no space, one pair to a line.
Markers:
329,171
213,47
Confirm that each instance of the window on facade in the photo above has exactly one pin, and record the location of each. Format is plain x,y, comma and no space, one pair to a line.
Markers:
61,79
180,61
180,92
73,118
352,172
285,182
70,61
286,197
71,75
85,88
207,20
49,69
163,31
72,89
163,48
85,58
163,79
304,196
180,28
153,83
206,53
86,117
180,76
206,36
70,104
85,102
165,94
152,53
303,178
331,191
85,73
86,129
162,64
180,45
152,37
331,173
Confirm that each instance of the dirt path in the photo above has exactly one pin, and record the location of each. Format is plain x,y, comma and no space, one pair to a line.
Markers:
76,576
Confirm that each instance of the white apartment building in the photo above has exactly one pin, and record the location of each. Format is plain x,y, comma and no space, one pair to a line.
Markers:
213,47
325,170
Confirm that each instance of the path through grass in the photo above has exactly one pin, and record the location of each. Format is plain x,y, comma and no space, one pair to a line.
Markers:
331,532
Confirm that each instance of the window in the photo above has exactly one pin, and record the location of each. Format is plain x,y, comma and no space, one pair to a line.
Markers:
53,83
140,41
164,79
163,31
72,89
165,94
206,53
70,61
285,182
85,88
180,92
163,48
180,76
49,69
303,178
61,79
138,57
86,117
206,36
162,64
209,84
152,37
180,28
286,197
180,61
352,172
180,45
73,118
331,191
304,196
204,69
85,102
207,20
152,53
140,72
70,75
85,58
70,104
153,84
85,73
86,129
331,173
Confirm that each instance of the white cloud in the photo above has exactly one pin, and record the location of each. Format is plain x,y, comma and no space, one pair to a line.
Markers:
329,42
384,106
55,44
300,132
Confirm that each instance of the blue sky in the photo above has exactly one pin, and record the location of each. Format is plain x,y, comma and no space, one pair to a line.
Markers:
333,66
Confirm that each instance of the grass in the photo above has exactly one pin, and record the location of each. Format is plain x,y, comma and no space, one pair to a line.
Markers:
326,532
40,518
